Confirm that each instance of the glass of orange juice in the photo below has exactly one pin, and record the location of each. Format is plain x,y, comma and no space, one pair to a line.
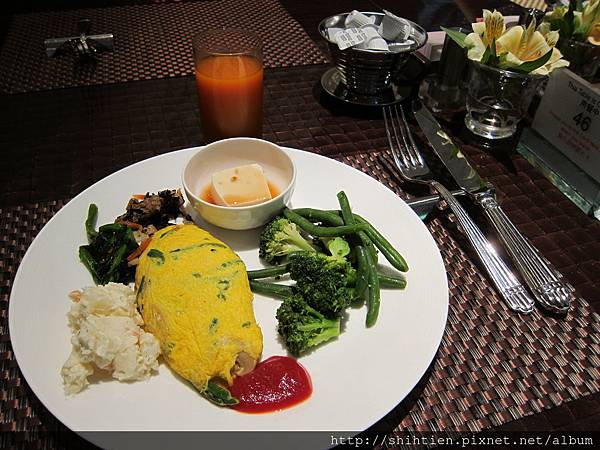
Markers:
229,78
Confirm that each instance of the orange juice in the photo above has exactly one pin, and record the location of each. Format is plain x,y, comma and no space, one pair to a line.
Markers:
230,96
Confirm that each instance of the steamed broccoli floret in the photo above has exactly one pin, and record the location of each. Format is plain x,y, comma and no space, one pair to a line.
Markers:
337,246
303,327
325,282
281,238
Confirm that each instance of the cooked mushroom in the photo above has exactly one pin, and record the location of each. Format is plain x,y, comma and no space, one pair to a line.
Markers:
244,364
154,209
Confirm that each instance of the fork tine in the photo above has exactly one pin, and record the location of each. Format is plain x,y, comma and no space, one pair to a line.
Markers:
399,131
392,135
418,158
409,150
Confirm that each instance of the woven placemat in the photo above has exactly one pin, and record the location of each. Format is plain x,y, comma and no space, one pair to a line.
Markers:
151,41
493,366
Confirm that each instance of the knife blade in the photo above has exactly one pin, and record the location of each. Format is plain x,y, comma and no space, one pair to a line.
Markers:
543,280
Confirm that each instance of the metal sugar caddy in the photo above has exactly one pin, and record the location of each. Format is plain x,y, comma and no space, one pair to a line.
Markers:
366,76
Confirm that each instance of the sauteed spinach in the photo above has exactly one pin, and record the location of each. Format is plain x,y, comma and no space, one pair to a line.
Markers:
106,254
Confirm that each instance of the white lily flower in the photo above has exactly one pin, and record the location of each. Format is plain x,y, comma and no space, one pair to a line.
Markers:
476,47
522,45
515,46
478,27
590,15
494,26
557,13
585,21
594,37
484,33
544,28
551,38
556,61
491,28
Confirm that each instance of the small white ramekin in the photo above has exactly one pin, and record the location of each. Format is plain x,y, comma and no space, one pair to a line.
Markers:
276,163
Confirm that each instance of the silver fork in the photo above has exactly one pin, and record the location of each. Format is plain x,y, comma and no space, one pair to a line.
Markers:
413,168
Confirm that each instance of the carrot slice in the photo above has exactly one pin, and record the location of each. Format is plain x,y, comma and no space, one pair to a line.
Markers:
138,251
132,225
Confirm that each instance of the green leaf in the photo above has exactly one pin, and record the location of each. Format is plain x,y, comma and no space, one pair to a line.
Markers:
119,258
90,221
106,254
487,56
530,66
218,394
456,36
503,61
89,262
494,60
157,256
568,24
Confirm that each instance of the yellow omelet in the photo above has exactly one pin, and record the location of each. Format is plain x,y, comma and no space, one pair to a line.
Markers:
194,296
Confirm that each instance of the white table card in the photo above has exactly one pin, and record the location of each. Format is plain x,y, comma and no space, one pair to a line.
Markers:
569,118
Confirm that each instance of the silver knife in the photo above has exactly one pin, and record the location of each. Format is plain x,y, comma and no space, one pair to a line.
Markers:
544,281
424,205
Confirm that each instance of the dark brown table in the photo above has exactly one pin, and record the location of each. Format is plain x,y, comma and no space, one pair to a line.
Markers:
62,128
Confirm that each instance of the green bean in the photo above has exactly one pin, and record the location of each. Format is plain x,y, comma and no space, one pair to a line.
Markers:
333,218
374,298
318,231
362,272
376,238
88,261
347,215
118,258
112,227
91,221
374,292
388,250
362,267
318,215
272,289
269,272
388,281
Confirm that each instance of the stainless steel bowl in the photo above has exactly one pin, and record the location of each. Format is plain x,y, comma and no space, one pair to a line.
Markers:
370,72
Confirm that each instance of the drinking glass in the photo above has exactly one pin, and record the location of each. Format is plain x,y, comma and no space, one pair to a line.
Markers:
584,57
229,79
497,100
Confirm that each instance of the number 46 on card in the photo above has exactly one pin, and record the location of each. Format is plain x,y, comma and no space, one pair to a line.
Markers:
569,118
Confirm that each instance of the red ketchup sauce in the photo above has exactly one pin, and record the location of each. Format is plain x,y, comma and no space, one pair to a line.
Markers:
276,383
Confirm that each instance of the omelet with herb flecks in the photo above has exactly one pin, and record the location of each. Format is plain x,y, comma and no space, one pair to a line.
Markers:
194,296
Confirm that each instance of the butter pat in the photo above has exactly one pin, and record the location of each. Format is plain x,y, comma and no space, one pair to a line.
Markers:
240,186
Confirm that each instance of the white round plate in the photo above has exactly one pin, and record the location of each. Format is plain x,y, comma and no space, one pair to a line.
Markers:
357,379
